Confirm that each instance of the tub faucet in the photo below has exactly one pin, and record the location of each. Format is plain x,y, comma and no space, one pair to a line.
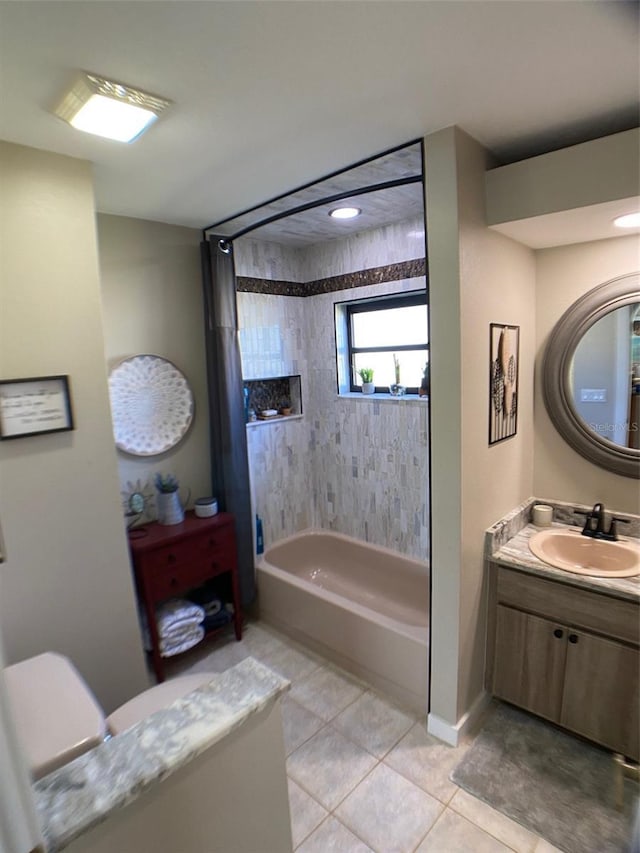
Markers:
594,525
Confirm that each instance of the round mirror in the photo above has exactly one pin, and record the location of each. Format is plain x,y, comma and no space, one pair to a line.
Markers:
591,376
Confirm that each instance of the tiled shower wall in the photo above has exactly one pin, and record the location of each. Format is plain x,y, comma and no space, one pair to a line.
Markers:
355,465
401,241
279,463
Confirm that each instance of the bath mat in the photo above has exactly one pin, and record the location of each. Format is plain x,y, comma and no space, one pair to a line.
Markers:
551,782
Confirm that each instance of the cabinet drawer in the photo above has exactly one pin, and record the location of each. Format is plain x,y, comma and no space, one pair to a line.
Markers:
218,545
170,557
168,583
599,612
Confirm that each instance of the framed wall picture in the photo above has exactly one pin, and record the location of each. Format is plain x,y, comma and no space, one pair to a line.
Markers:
34,406
504,342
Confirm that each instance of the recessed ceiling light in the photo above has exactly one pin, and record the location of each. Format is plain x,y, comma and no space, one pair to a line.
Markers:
345,212
109,109
629,220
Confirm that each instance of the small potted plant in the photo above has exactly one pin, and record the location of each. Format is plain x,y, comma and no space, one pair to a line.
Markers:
397,390
169,508
166,483
366,374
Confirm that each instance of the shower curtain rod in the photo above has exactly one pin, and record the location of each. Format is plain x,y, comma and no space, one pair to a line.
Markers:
317,203
314,182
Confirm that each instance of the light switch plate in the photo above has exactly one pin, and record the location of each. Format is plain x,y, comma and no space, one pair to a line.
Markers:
593,395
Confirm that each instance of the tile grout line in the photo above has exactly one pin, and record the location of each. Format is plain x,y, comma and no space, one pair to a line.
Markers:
284,643
488,831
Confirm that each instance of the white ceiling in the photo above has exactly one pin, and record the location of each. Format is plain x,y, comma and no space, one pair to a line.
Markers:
271,95
580,225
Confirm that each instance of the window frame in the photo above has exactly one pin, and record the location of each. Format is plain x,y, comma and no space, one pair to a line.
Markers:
384,303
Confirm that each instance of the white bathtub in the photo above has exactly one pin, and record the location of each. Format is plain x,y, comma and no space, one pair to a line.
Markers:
364,607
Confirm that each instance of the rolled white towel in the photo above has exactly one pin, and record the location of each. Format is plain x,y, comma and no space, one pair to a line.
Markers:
167,629
178,634
177,612
182,642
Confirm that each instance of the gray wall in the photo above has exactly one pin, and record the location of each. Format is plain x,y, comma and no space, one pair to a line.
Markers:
151,290
66,585
476,277
563,275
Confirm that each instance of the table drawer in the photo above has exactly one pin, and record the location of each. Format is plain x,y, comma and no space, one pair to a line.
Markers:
170,557
168,583
217,546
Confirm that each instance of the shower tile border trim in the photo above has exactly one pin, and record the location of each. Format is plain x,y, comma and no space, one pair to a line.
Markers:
362,278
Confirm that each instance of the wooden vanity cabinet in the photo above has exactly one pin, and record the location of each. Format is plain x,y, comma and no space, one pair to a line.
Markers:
169,561
566,654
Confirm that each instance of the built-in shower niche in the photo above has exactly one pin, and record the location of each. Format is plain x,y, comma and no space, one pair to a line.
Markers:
276,393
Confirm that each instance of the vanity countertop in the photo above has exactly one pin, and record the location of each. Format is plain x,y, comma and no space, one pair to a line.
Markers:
86,791
515,553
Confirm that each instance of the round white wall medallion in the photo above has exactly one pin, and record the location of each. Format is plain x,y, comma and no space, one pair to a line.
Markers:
151,405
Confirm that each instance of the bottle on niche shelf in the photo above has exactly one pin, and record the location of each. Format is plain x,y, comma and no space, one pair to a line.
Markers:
246,405
259,536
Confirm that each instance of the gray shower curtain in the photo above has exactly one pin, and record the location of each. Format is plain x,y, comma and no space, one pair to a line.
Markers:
228,437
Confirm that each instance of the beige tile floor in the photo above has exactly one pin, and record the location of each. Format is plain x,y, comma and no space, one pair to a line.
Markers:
364,776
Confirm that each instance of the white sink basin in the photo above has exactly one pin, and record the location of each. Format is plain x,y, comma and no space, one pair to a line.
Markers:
570,550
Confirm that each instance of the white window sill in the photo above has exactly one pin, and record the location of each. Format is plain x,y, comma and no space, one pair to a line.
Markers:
382,398
276,419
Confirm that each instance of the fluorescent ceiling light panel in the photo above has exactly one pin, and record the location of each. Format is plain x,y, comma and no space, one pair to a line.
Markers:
629,220
109,109
345,212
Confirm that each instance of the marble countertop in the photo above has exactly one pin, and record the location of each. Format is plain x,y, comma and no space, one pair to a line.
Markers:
86,791
515,553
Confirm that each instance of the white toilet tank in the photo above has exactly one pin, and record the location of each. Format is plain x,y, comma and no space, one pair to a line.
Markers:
56,715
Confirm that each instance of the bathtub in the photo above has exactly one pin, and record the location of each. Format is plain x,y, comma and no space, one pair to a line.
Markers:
365,608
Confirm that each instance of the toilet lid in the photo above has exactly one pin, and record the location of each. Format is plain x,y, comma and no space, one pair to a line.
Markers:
155,699
56,715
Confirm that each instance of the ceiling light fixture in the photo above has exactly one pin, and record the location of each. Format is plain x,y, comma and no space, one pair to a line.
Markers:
109,109
629,220
345,212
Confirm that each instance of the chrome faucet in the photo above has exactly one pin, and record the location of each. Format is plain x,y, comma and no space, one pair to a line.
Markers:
595,524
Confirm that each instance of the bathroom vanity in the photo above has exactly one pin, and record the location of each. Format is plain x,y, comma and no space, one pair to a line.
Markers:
565,646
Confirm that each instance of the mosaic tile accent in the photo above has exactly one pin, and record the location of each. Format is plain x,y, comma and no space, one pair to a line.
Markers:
362,278
274,287
274,393
268,394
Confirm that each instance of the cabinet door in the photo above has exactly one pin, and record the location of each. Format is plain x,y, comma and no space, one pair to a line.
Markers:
601,690
529,662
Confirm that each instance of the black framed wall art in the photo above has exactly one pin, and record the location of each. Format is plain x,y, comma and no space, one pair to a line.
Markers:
504,343
34,406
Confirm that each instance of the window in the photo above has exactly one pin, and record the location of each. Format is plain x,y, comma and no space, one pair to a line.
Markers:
378,329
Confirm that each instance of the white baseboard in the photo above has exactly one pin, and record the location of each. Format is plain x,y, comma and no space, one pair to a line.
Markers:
451,733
